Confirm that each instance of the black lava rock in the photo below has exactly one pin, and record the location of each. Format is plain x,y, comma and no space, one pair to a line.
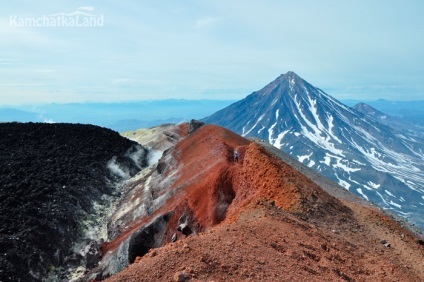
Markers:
194,125
50,176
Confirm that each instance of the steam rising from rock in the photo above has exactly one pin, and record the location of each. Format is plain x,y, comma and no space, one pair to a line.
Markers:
153,157
137,154
124,167
116,169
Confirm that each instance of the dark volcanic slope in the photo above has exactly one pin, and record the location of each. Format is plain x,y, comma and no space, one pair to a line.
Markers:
51,176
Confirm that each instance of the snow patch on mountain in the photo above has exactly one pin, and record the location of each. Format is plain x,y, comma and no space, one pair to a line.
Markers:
271,129
395,205
362,194
254,126
342,182
315,134
303,158
388,193
277,142
375,185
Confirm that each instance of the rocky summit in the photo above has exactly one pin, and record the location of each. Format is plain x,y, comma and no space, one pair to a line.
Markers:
200,215
379,163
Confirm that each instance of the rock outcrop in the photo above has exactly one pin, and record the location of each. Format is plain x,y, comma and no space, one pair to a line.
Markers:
56,184
199,215
194,125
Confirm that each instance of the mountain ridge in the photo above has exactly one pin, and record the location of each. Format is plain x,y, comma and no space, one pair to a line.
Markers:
398,123
371,159
194,214
261,219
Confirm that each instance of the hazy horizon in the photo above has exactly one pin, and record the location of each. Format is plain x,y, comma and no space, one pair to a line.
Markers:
81,51
25,105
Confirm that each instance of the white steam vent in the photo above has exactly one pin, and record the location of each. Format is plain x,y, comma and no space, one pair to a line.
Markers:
138,154
153,157
118,170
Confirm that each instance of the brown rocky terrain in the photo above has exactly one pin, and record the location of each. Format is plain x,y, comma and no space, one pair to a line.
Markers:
157,138
208,218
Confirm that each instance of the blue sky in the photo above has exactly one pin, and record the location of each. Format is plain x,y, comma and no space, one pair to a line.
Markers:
210,49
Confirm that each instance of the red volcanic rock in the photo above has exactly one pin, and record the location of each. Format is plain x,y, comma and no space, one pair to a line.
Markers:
257,220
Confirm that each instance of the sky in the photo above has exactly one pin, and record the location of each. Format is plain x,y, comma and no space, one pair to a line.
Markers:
213,49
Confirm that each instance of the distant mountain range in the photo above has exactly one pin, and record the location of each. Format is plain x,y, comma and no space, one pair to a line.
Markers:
117,116
410,111
399,123
373,160
143,114
11,115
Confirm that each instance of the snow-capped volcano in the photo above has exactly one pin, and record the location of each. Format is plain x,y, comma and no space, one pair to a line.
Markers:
364,156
